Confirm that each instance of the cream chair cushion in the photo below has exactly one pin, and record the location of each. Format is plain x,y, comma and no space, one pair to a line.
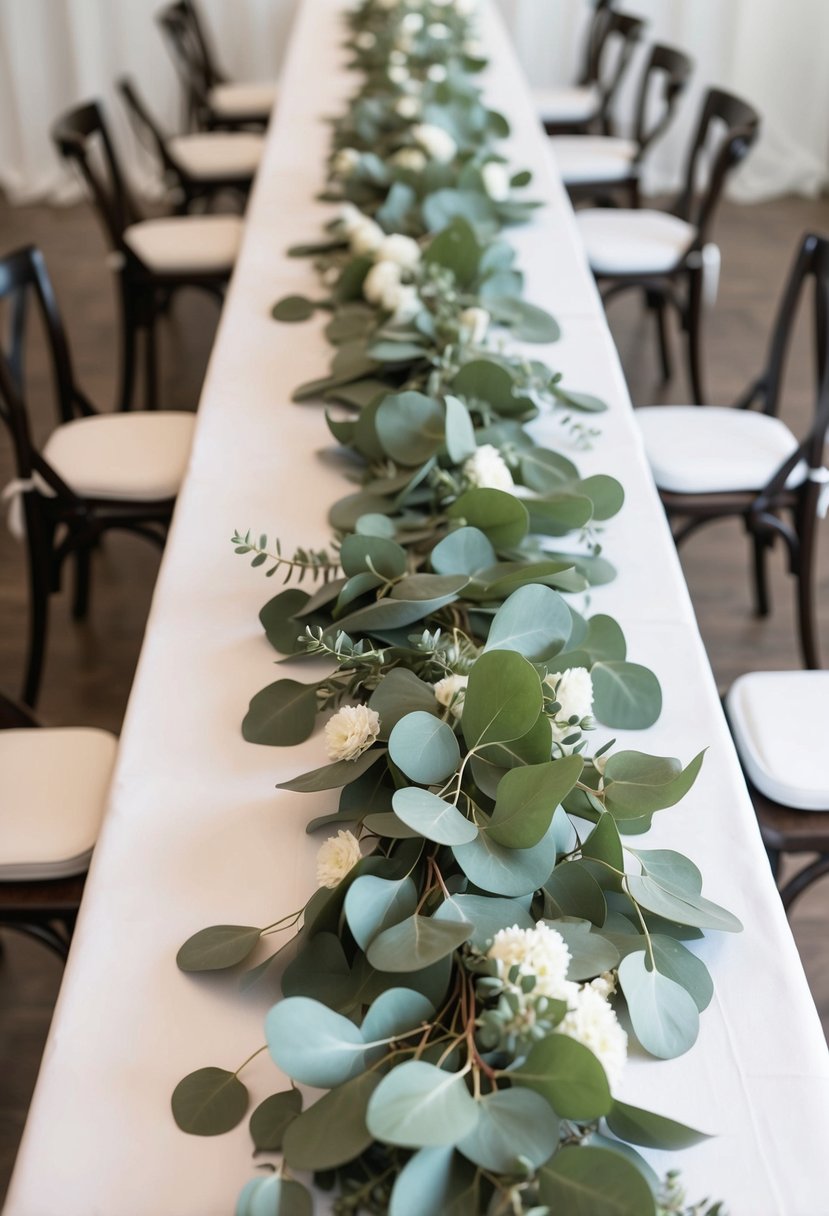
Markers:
187,244
572,104
217,154
711,449
141,456
593,158
243,100
53,789
633,241
780,723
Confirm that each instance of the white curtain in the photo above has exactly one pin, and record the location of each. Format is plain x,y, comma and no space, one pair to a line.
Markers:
54,53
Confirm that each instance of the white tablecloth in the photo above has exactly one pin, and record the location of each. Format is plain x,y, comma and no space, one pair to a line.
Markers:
196,833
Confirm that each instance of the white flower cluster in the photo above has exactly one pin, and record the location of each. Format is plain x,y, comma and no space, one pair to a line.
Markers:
573,689
474,325
450,693
496,179
351,731
394,255
437,143
336,857
487,469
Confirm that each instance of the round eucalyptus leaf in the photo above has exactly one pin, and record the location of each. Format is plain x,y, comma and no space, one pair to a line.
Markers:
625,695
637,784
680,906
527,798
591,954
333,1130
416,943
664,1016
679,964
217,947
312,1044
425,748
320,970
433,817
209,1102
460,433
571,890
501,516
568,1076
462,552
411,427
456,248
373,904
503,871
395,1012
359,552
399,693
281,715
274,1196
528,322
514,1126
587,1181
418,1105
644,1127
277,618
503,698
487,914
433,1181
535,621
268,1122
293,308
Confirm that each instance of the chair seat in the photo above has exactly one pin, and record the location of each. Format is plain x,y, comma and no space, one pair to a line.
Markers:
211,156
593,158
140,457
53,789
633,241
715,450
572,104
243,100
187,244
779,720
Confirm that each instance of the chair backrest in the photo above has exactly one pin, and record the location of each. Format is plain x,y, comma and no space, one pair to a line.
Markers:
82,136
664,80
146,128
726,130
594,41
13,715
620,35
213,73
187,48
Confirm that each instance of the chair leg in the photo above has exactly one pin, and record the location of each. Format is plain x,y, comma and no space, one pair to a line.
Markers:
803,879
661,308
761,582
38,624
150,360
129,338
693,325
80,602
805,573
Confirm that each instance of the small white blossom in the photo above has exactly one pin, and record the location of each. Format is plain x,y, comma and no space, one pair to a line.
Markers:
351,217
496,179
474,323
400,249
473,48
592,1022
367,237
410,158
450,692
406,305
351,731
541,952
438,31
365,40
397,57
436,73
407,107
435,142
412,23
573,689
345,162
398,74
488,470
381,285
336,857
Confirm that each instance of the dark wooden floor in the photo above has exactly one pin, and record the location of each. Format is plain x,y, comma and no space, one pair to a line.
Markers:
90,666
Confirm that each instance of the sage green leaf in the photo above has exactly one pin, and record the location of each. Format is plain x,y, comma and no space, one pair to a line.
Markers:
350,322
644,1127
502,517
535,747
668,866
604,639
373,904
504,871
527,798
487,915
293,308
460,433
456,248
417,1105
680,906
346,511
401,692
411,427
535,621
397,352
568,1076
503,698
591,954
270,1119
664,1016
209,1102
319,971
528,322
604,844
515,1126
396,1012
488,381
606,494
433,817
637,784
277,619
462,552
397,611
571,890
587,1181
432,1181
416,943
333,1130
545,471
504,578
679,964
579,401
559,513
281,715
217,947
312,1044
332,776
443,206
399,202
358,394
359,553
386,823
425,748
368,984
274,1195
349,286
625,695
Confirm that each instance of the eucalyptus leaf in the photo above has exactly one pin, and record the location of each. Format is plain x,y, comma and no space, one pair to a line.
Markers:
399,693
527,798
293,308
425,748
515,1126
433,817
312,1044
274,1195
209,1102
217,947
373,904
625,695
270,1119
282,714
503,699
417,1105
504,871
643,1127
332,776
534,621
487,914
333,1130
588,1181
500,516
431,1182
395,1013
664,1016
568,1076
415,943
462,552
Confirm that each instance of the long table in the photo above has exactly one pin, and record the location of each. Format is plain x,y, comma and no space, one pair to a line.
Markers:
196,834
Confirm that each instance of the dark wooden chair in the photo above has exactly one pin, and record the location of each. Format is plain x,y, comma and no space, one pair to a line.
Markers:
212,101
588,106
603,166
785,775
714,463
198,166
95,473
53,788
153,258
664,253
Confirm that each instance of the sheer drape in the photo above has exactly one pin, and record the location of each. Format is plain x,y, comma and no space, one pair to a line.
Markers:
57,52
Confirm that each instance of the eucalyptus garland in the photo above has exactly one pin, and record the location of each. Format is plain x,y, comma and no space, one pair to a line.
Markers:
481,909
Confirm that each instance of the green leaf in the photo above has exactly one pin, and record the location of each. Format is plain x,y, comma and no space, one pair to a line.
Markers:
500,516
456,248
293,308
432,817
664,1016
396,1012
312,1044
349,286
590,953
515,1126
503,698
487,914
643,1127
462,552
460,433
411,427
573,891
527,798
417,1105
680,906
586,1181
373,904
638,784
332,776
397,352
604,639
568,1076
486,380
443,206
579,401
669,867
401,692
625,695
270,1119
277,619
333,1130
545,471
431,1182
281,715
359,553
425,748
679,964
320,970
603,844
209,1102
416,943
535,621
396,611
528,322
503,871
217,947
274,1195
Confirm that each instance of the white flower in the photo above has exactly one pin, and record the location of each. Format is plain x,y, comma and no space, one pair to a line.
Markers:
496,180
412,23
398,74
541,952
365,40
573,689
474,323
450,692
473,48
406,306
487,469
351,217
336,857
435,142
400,249
345,162
436,73
397,57
407,107
438,30
366,237
409,158
592,1021
351,731
465,7
382,284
